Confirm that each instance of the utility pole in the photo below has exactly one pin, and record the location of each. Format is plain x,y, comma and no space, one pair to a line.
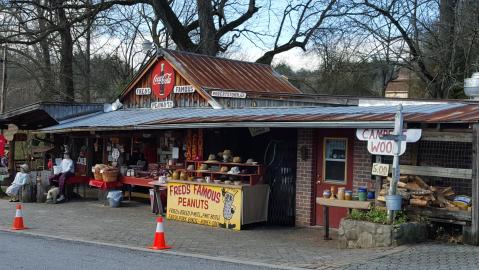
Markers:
3,93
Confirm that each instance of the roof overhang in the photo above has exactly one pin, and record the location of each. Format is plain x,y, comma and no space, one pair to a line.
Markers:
45,114
326,124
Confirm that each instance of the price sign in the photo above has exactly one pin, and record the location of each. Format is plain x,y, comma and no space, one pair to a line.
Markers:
380,169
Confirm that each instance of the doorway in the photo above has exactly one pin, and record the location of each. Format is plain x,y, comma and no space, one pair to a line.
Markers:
334,168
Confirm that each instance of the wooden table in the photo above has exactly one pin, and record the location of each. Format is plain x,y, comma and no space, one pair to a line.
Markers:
135,181
326,203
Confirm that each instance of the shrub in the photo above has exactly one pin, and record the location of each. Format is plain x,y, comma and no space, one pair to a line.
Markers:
377,215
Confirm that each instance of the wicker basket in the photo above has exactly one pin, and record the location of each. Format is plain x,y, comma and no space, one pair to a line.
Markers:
110,175
97,171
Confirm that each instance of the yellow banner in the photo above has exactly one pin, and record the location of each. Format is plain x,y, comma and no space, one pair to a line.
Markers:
204,204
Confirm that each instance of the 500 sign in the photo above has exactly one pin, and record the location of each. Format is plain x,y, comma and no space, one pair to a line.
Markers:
380,169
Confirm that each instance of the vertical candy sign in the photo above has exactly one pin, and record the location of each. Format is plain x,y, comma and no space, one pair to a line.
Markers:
162,79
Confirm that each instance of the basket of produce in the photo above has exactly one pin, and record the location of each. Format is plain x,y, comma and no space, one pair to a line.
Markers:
97,171
110,174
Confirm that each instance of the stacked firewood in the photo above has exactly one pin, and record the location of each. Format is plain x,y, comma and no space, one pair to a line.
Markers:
415,191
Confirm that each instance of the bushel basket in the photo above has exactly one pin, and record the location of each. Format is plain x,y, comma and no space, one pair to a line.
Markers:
97,171
110,175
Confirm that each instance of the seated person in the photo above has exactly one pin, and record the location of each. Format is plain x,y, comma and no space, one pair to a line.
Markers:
67,170
21,178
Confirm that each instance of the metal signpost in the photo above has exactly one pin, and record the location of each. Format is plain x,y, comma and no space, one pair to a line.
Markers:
398,138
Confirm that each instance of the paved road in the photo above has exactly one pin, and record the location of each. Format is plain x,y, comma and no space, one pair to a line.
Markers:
21,251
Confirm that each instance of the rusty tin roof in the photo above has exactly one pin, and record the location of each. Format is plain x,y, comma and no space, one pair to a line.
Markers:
220,73
342,116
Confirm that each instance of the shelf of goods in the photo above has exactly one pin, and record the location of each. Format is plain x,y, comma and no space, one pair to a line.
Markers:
218,204
253,177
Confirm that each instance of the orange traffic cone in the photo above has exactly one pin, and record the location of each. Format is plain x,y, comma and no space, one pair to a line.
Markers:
18,220
159,242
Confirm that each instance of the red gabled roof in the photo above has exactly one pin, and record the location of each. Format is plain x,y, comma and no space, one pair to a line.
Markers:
226,74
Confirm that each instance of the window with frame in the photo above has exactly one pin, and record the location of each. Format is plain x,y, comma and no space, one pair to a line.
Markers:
334,161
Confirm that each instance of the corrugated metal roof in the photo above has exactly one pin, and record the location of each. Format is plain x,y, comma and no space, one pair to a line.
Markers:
432,113
226,74
42,114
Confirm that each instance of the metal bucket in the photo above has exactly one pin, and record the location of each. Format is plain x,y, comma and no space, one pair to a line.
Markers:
393,202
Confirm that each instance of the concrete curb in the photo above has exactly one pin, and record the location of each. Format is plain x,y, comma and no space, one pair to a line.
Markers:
169,252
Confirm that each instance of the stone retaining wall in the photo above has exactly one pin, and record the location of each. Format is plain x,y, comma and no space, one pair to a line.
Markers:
363,234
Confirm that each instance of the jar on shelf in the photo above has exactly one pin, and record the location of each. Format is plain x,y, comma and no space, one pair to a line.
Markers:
341,193
362,193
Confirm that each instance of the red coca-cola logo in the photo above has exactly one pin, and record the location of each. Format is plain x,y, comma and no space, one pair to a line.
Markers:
162,79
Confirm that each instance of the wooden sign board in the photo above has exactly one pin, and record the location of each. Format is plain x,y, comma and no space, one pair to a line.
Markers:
380,169
162,105
143,91
183,89
228,94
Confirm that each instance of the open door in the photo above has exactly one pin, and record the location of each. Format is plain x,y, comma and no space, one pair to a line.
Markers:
334,168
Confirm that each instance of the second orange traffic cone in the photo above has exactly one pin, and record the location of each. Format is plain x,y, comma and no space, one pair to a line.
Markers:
159,242
18,220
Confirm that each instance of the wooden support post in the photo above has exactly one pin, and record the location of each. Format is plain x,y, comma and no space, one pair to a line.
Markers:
326,222
11,159
378,183
472,236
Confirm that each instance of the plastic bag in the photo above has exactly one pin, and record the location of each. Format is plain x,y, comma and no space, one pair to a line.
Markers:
116,195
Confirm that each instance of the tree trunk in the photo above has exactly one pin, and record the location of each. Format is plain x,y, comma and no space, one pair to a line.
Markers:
208,44
66,55
447,22
49,85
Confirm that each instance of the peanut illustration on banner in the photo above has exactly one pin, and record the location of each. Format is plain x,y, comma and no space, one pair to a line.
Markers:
228,208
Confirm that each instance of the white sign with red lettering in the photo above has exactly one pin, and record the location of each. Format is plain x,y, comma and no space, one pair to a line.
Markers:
384,147
378,146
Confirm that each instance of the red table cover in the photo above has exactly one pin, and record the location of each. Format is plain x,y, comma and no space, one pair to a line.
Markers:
104,185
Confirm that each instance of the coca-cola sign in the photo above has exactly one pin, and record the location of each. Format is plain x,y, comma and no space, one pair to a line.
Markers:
162,79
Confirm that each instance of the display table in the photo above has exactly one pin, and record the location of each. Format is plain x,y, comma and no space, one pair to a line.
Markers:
326,203
217,205
135,181
104,187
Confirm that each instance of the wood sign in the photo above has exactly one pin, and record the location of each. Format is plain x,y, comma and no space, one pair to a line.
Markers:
162,79
203,204
378,146
380,169
183,89
162,105
143,91
228,94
